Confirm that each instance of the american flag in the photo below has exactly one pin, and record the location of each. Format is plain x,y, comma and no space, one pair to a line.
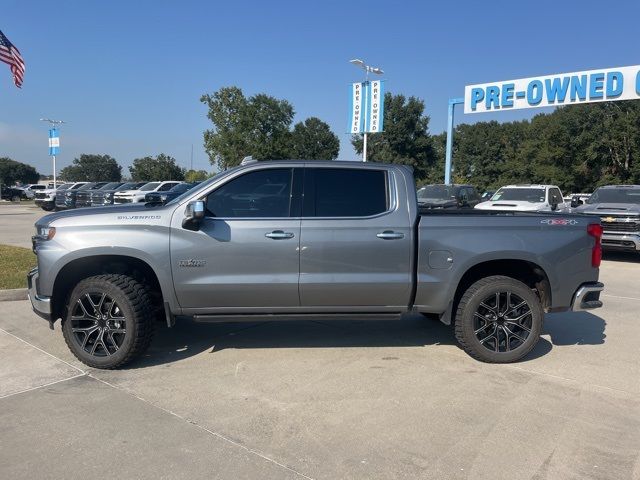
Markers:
10,55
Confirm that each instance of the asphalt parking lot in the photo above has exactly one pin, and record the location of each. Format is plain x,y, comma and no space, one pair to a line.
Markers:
325,400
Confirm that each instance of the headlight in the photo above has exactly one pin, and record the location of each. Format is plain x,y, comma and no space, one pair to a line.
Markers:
163,198
46,233
68,194
108,195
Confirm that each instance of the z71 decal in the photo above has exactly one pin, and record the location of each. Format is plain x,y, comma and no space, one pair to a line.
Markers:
559,221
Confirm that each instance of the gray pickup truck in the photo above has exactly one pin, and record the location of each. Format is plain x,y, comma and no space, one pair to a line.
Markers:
302,240
618,207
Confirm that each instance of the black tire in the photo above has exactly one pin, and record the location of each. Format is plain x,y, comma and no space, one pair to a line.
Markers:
117,330
490,328
15,198
47,208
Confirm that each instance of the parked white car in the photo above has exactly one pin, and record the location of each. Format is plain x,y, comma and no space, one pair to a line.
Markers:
135,196
46,199
526,198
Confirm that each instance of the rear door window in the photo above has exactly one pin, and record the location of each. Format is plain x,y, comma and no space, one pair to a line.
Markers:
345,192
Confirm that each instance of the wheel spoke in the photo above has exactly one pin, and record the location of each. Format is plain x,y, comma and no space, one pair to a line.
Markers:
515,309
84,329
514,334
498,302
519,325
87,335
517,319
113,341
484,305
85,312
508,306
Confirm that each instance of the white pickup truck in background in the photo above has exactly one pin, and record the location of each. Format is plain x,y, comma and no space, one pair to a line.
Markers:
526,198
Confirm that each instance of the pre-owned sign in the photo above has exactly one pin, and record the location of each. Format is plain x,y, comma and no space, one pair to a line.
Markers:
553,90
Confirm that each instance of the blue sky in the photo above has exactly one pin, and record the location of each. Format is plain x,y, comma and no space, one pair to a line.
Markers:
128,75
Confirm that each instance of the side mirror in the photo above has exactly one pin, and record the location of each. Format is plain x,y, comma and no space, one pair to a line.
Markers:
193,215
576,202
554,207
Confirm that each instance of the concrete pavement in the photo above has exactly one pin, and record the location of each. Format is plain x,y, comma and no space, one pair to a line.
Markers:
330,400
325,400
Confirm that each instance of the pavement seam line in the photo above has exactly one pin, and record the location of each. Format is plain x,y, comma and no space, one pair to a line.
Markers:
43,386
571,380
617,296
41,350
205,429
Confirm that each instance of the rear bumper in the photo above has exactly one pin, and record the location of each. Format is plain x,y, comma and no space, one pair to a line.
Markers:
587,297
40,305
621,241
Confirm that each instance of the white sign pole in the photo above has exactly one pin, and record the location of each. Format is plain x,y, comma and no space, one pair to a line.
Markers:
365,113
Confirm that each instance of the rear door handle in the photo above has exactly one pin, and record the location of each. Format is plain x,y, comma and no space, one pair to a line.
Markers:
390,235
279,235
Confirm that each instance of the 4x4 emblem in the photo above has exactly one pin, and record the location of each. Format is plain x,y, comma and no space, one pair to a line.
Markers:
192,263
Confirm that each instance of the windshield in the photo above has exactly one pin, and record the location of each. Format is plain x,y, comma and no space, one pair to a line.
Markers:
215,178
80,185
441,192
533,195
64,186
111,186
615,195
150,186
181,188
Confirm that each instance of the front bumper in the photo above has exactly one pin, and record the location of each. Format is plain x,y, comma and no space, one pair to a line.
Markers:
621,241
587,297
40,305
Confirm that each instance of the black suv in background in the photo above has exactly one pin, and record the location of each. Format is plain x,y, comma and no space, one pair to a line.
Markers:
104,196
67,198
166,197
447,196
83,198
10,193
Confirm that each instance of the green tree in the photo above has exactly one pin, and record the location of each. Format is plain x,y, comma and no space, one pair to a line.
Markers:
405,139
91,167
314,140
12,172
162,167
195,175
256,126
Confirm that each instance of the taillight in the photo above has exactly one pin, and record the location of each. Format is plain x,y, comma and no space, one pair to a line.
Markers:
595,230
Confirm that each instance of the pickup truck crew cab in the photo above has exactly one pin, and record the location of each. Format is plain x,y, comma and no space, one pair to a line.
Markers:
307,239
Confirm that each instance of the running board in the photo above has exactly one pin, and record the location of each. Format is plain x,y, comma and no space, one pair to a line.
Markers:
294,316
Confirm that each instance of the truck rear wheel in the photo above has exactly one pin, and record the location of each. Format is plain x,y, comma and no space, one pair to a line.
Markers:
499,320
108,321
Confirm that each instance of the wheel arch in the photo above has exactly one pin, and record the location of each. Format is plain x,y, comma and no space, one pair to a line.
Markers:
526,271
80,268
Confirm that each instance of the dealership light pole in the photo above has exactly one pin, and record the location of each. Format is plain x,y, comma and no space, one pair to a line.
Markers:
53,147
368,69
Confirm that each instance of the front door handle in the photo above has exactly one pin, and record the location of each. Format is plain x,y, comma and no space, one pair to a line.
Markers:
279,235
390,235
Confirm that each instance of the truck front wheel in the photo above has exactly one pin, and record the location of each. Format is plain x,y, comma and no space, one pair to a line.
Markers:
499,320
108,321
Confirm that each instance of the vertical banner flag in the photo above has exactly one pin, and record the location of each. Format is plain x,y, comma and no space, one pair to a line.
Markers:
375,107
366,113
54,142
356,115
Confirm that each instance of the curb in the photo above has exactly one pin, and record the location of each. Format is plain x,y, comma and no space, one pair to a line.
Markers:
13,294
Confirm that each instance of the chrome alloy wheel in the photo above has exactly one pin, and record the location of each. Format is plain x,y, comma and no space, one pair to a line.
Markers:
98,324
502,322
